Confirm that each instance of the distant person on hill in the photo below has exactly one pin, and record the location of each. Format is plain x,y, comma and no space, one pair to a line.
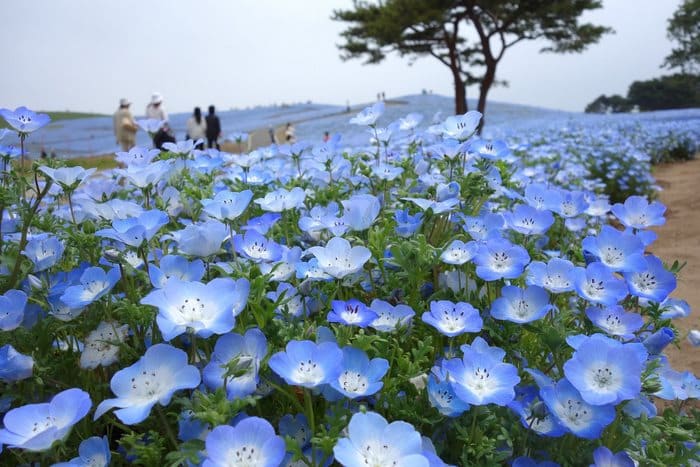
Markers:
213,125
271,133
124,126
156,109
326,136
197,127
290,134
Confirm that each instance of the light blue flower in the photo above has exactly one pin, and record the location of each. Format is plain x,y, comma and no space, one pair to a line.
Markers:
134,231
256,247
482,227
351,313
500,259
252,442
35,427
556,276
442,396
459,252
202,240
44,251
154,378
95,283
638,213
657,341
12,304
93,452
14,366
521,305
307,364
407,224
338,259
615,321
67,177
371,440
175,267
438,207
282,200
360,211
203,309
653,282
528,220
461,127
137,156
619,251
227,205
490,150
453,319
674,308
597,284
571,204
604,457
389,317
534,415
369,115
24,120
359,376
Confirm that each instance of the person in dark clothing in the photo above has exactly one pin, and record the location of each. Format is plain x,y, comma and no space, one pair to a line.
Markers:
213,128
164,135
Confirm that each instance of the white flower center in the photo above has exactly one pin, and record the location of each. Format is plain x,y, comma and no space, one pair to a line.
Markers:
353,382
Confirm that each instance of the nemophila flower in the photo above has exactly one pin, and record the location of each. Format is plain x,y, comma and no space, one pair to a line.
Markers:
95,283
574,413
453,319
528,220
521,305
540,196
653,282
190,428
639,406
459,252
359,376
203,309
605,371
407,224
481,377
137,156
438,207
35,427
102,345
442,396
444,191
338,259
604,457
311,270
313,221
227,205
14,366
252,442
461,127
484,226
500,259
674,308
67,177
371,440
369,115
638,213
534,415
289,302
284,268
571,204
307,364
296,427
282,200
389,317
256,247
154,378
619,251
360,211
657,341
351,312
175,267
134,231
202,239
12,304
555,276
410,121
615,321
93,452
386,171
150,125
235,363
44,251
490,150
148,175
24,120
597,284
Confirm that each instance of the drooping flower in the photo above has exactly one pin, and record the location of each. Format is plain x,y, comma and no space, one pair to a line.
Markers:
389,317
12,304
154,378
438,207
453,319
14,366
657,341
407,224
93,452
351,312
102,345
134,231
24,120
35,427
67,177
307,364
44,251
252,442
521,305
338,259
95,283
359,376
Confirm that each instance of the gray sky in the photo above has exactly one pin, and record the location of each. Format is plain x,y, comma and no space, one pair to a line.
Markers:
84,55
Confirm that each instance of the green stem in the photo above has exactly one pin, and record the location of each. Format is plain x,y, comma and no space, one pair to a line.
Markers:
309,411
168,429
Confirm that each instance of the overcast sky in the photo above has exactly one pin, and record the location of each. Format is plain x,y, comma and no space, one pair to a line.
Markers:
84,55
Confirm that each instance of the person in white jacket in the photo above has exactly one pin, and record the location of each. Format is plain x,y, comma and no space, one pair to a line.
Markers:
197,127
156,109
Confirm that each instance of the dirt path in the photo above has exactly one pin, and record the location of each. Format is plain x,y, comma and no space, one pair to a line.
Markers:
679,239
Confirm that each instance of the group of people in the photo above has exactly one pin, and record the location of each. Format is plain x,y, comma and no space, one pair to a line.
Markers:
198,127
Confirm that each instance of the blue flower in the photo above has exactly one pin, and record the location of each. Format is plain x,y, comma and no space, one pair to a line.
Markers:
459,252
571,203
389,317
227,205
656,342
13,365
175,267
282,200
360,211
154,378
351,312
137,156
235,363
485,226
44,251
67,177
597,284
438,207
95,283
251,442
373,441
406,224
369,115
442,396
500,259
359,376
638,213
202,239
289,302
534,415
480,377
35,427
653,282
528,220
619,251
605,371
133,231
604,457
453,319
204,309
615,321
24,120
521,306
12,305
461,127
307,364
674,308
338,259
256,247
93,452
575,414
296,427
490,150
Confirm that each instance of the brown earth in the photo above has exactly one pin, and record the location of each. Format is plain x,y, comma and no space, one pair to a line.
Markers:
679,239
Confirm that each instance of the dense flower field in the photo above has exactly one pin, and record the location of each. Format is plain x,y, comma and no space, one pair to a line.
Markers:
427,298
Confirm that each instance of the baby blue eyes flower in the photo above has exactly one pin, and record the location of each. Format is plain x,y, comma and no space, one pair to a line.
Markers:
95,283
137,156
13,365
133,231
604,457
227,205
351,313
202,239
257,248
12,305
638,213
372,441
338,259
204,309
521,305
619,251
369,115
68,177
655,343
500,259
406,224
93,452
153,379
442,396
459,252
481,377
453,319
597,284
461,127
359,376
360,211
653,282
528,220
482,227
571,204
35,427
175,267
282,200
605,371
252,442
307,364
389,317
615,321
44,251
24,120
438,207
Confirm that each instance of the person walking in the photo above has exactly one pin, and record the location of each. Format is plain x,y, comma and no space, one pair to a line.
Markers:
125,126
213,128
290,134
197,128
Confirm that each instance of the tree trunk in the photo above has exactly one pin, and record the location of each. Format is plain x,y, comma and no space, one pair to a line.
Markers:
460,94
486,82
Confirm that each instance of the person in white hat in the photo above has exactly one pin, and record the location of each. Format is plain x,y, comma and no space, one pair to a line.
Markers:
156,109
124,125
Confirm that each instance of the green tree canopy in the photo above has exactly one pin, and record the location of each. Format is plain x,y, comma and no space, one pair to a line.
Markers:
684,29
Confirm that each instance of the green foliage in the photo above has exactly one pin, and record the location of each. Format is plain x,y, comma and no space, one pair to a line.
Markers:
684,29
613,104
667,92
